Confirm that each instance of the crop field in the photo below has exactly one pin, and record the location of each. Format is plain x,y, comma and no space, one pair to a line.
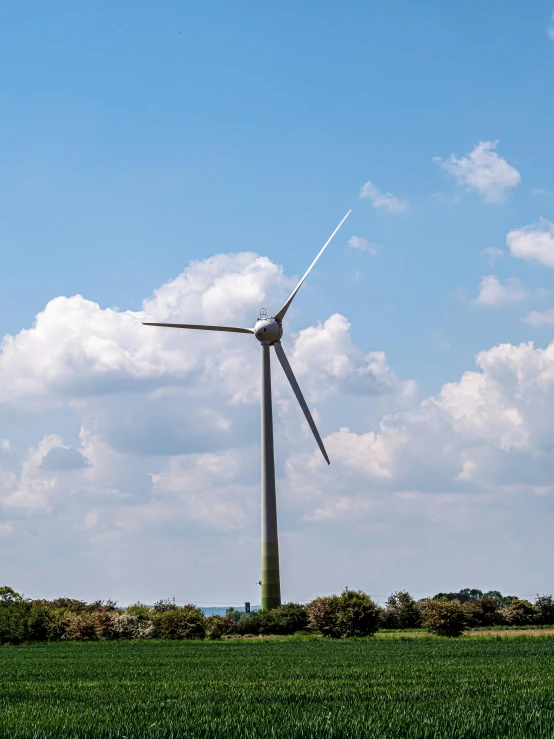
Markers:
425,687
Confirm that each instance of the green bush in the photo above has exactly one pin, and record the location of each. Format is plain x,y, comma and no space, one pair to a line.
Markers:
260,623
39,620
8,595
139,609
63,604
358,615
294,617
323,615
463,596
352,613
519,613
80,627
400,612
108,625
482,612
187,622
219,626
13,621
57,626
443,617
287,619
164,605
135,626
235,614
545,608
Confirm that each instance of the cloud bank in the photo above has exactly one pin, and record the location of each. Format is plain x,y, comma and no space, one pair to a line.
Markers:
147,439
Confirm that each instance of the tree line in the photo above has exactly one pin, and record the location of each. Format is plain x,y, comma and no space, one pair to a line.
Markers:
352,613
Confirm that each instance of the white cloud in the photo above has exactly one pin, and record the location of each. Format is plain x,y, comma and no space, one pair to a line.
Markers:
535,242
159,409
483,171
328,362
344,506
551,28
382,200
483,438
492,292
538,318
163,453
210,487
85,350
36,488
361,244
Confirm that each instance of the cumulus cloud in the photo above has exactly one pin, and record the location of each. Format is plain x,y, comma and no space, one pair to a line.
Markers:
328,362
488,434
483,171
86,350
162,451
382,200
215,489
492,292
161,410
36,487
533,243
361,244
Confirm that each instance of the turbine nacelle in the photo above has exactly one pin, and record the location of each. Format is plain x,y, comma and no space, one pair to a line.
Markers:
268,330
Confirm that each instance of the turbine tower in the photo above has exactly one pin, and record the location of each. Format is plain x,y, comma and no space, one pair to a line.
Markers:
269,331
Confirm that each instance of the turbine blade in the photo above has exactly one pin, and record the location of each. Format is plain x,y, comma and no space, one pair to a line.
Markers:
292,379
203,328
284,309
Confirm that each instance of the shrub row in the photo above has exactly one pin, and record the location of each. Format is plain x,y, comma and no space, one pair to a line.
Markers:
448,616
353,613
21,620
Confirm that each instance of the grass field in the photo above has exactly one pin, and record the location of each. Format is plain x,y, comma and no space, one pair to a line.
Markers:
424,687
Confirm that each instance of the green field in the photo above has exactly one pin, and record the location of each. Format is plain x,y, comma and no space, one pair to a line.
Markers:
425,687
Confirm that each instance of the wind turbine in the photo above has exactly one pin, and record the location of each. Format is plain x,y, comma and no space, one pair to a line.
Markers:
268,331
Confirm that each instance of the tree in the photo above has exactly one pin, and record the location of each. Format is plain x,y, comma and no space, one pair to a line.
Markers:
164,605
494,594
519,613
464,595
187,622
294,617
482,612
545,606
14,610
358,614
219,626
443,617
235,614
8,595
401,611
353,613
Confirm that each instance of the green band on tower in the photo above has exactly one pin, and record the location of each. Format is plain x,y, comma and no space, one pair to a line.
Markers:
271,584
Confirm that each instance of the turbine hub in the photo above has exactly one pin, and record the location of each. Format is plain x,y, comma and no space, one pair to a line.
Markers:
268,330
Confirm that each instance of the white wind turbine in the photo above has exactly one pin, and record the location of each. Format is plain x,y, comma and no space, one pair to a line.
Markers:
269,331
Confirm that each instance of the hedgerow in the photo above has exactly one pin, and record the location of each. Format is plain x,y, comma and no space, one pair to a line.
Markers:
350,614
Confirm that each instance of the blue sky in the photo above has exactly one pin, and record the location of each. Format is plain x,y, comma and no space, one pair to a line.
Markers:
138,138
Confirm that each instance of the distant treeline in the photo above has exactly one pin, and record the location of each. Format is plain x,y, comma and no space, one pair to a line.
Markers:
352,613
